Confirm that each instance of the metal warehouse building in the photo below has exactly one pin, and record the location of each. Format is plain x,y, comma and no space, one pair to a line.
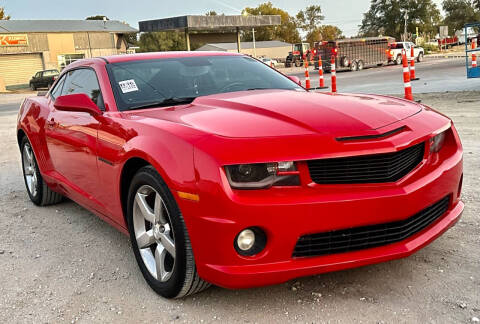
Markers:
27,46
271,49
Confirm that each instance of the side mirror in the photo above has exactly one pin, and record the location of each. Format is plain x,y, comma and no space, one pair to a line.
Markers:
295,79
77,102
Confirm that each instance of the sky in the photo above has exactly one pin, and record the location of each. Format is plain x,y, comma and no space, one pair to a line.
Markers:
346,14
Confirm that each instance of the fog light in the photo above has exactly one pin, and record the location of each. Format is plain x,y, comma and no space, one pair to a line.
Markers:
250,241
246,239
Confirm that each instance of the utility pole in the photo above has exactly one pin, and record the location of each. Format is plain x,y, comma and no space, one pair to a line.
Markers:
405,27
254,48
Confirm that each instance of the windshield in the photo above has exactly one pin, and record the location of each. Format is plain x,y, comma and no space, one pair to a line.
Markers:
143,83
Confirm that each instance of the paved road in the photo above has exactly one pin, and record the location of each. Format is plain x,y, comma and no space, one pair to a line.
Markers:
436,75
8,108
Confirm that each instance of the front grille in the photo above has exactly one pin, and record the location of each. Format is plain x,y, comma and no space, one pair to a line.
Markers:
376,168
359,238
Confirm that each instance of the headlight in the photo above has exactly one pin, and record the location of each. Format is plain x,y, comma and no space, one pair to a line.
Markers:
436,142
262,175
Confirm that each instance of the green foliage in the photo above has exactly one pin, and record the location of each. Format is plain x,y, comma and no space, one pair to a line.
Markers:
460,12
386,17
97,17
310,18
287,31
324,33
211,13
3,15
430,48
162,41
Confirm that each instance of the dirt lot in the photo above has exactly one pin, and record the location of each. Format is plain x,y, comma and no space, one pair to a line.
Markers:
63,264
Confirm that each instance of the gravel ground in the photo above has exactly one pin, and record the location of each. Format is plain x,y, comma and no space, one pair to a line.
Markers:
63,264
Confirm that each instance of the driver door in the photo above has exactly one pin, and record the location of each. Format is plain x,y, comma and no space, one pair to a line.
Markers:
72,137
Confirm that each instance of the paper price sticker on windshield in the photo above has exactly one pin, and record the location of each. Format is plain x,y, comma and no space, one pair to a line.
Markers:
128,86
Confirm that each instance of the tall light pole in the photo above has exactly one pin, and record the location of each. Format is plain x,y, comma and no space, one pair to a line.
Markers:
405,27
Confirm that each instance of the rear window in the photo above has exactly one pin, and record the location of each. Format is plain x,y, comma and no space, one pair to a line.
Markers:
50,73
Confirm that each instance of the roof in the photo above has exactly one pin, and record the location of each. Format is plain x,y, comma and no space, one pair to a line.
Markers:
347,40
56,26
244,45
196,22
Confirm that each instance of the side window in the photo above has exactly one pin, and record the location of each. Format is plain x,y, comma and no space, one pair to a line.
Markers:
38,75
84,81
57,91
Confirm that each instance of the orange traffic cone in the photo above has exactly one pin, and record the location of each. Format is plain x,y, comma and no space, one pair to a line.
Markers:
474,56
320,73
412,65
406,77
307,75
333,74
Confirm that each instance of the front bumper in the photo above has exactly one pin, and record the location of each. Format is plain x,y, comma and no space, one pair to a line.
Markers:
271,273
285,214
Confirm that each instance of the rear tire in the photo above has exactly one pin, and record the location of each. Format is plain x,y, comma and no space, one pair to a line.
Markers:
160,238
420,57
38,191
398,60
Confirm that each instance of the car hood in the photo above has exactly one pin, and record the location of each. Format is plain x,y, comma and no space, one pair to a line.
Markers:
266,113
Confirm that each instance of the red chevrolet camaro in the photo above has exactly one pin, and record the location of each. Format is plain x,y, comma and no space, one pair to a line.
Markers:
224,171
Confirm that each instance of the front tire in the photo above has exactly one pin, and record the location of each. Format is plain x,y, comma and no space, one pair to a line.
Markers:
32,87
360,65
420,57
353,66
159,237
38,191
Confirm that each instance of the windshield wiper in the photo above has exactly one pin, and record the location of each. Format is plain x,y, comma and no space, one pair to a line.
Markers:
173,101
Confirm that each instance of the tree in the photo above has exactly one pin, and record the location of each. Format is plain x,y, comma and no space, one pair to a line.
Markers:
324,33
3,15
97,17
211,13
287,31
476,4
458,13
310,18
162,41
387,17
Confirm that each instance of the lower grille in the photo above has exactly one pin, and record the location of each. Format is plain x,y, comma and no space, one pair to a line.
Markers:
359,238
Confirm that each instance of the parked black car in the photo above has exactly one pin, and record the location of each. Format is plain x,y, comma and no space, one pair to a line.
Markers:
43,79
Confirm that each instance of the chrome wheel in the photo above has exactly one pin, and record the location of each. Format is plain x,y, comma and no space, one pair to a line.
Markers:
29,169
154,233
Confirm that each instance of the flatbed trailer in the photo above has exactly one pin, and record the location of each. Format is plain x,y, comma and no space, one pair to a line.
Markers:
353,53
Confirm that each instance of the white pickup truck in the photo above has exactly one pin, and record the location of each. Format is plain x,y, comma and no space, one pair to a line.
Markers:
395,52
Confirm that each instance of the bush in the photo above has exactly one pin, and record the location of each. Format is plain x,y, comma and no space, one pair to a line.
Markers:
429,48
